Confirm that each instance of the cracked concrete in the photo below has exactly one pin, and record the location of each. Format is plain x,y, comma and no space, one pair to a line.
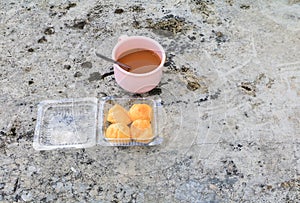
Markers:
230,94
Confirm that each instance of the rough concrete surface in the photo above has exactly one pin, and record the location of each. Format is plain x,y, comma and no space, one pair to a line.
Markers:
230,93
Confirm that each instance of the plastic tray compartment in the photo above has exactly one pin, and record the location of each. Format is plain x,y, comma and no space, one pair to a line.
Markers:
108,102
66,123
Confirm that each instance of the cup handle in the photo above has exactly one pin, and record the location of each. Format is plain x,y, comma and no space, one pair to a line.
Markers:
122,37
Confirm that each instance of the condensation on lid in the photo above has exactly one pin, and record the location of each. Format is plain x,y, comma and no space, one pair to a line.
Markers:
66,123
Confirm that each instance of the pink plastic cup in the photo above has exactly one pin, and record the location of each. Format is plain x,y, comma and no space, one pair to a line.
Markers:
138,82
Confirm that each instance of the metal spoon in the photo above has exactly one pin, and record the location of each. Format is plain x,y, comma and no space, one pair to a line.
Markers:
124,66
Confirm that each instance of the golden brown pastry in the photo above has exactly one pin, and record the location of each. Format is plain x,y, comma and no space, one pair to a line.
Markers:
118,132
117,114
141,131
140,111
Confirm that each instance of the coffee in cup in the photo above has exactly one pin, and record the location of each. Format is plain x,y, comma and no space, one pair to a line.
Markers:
145,56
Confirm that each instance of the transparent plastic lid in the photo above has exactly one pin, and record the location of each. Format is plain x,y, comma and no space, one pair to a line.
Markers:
66,123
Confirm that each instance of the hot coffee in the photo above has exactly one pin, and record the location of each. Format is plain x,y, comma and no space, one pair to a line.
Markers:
136,51
141,60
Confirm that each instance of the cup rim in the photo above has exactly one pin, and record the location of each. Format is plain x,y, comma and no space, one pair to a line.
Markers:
163,54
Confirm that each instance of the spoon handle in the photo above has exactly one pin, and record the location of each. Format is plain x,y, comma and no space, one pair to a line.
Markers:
126,67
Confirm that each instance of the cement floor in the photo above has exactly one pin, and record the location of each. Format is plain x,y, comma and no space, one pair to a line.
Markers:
230,89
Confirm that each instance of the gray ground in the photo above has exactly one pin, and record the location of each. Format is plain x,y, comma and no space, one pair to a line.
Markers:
231,88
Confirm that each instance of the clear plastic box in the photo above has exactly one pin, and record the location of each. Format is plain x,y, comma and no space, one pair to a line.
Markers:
82,123
108,102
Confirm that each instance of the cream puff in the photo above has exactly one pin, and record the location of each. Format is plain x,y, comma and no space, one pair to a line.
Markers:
118,133
140,111
117,114
141,131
